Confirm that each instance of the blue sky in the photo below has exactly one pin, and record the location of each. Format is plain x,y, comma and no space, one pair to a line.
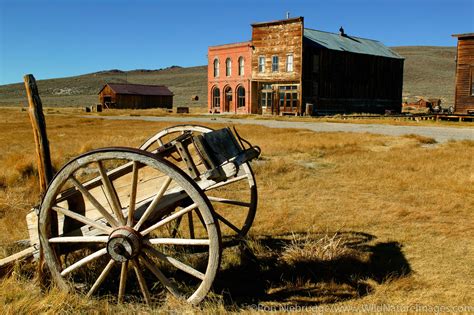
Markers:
57,38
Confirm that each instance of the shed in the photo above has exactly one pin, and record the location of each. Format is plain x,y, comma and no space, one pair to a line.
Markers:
135,96
464,93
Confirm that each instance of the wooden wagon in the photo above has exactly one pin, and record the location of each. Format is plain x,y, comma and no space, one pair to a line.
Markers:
135,223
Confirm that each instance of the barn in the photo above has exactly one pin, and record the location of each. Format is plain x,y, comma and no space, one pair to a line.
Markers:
292,66
135,96
464,93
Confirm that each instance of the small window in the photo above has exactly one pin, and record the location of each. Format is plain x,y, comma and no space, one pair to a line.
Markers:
241,66
216,67
228,67
266,99
289,63
240,96
261,64
275,64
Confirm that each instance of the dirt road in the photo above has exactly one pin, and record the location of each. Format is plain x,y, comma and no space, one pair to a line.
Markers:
440,134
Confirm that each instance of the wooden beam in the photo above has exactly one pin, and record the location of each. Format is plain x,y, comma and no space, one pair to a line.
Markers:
43,156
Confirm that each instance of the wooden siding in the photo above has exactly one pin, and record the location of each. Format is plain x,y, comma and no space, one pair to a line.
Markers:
135,101
464,100
279,39
344,82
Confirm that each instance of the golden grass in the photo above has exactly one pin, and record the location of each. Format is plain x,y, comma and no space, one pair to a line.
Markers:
378,219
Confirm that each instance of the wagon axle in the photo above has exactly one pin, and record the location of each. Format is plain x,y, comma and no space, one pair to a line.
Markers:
124,244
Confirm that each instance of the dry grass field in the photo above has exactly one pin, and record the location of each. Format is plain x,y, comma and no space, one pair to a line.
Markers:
344,220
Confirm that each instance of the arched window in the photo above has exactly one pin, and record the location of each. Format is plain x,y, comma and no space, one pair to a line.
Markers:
228,67
241,65
240,97
216,67
216,97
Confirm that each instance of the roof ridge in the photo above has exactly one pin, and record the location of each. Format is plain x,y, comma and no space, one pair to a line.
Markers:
348,35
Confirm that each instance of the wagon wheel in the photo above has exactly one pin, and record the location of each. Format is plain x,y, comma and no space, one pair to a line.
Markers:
104,228
234,201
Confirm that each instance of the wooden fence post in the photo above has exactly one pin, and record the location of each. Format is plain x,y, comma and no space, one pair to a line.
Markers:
43,157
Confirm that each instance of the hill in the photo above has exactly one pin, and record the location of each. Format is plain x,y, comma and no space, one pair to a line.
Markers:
429,72
82,90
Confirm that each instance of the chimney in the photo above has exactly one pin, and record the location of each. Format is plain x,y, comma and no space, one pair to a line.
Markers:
341,32
287,14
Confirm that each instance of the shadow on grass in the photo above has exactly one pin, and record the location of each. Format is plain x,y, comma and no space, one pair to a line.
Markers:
284,270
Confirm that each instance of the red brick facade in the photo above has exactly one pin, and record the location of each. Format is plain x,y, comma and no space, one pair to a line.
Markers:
229,89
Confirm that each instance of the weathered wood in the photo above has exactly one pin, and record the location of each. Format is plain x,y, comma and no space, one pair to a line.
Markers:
7,262
123,281
153,204
169,219
43,155
179,241
101,277
141,281
160,276
84,261
111,193
176,263
56,246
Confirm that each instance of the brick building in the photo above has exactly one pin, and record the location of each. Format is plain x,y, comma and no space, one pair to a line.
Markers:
291,66
229,73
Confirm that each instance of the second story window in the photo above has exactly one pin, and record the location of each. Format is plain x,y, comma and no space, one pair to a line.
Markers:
275,64
241,66
228,67
289,63
216,67
261,64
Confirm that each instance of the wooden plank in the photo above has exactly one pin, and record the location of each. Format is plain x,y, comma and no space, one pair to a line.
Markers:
43,156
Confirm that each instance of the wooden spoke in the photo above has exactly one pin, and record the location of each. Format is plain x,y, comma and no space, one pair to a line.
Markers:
94,202
123,281
111,193
227,182
101,277
141,281
84,261
83,219
191,225
226,222
230,201
165,281
176,227
169,218
179,241
133,194
153,204
181,266
79,239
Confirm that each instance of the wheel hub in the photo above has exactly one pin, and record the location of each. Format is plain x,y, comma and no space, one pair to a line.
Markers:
124,244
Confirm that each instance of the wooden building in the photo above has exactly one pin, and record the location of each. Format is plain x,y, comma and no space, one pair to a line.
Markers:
292,66
464,93
348,74
135,96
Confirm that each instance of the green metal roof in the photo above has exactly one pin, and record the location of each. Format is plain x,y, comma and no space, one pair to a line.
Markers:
349,43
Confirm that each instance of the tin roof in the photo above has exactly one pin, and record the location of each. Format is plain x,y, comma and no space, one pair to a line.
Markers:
349,43
139,89
463,35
